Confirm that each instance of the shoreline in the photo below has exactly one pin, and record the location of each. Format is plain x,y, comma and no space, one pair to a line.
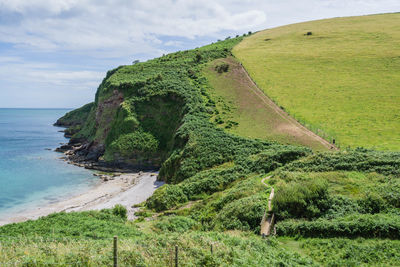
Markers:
127,189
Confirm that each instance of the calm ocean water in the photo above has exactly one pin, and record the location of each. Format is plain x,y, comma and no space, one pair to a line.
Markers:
30,175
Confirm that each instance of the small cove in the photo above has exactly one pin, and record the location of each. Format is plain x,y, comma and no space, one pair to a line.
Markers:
31,173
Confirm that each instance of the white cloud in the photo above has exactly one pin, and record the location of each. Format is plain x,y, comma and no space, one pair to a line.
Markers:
130,26
173,43
107,33
24,6
50,75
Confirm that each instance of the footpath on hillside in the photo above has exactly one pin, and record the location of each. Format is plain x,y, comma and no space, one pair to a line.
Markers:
268,220
285,116
255,115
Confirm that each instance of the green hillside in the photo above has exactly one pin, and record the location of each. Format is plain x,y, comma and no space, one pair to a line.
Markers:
344,79
244,110
333,208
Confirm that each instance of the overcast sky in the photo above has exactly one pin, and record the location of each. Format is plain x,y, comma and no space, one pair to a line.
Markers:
54,53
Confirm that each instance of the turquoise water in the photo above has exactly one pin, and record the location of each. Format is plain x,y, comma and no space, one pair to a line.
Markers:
31,175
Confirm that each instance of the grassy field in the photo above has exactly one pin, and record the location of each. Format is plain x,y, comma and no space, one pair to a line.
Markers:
241,111
343,79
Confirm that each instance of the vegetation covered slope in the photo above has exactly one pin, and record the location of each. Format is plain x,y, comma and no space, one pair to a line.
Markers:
75,117
159,113
343,79
243,109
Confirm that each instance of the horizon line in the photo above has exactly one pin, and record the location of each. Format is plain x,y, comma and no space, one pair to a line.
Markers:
32,108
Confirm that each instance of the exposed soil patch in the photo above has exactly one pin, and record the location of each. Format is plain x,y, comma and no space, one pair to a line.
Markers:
258,116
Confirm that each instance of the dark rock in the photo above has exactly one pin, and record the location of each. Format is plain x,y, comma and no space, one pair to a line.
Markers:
63,148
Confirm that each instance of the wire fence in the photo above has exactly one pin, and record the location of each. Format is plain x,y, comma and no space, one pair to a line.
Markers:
328,136
14,251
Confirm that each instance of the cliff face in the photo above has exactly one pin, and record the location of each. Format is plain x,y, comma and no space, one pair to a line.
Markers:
139,109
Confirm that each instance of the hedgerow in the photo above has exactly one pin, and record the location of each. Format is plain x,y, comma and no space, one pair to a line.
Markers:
354,225
354,160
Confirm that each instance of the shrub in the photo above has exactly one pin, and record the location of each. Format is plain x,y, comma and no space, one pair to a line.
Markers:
166,197
137,141
340,206
120,211
243,214
304,199
391,192
222,67
372,203
176,224
198,57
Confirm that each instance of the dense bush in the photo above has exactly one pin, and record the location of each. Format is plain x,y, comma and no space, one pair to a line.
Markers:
340,206
355,160
372,203
119,210
305,199
243,214
176,224
390,192
132,143
355,225
222,67
166,197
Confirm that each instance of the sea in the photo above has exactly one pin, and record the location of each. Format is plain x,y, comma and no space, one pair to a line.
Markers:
32,174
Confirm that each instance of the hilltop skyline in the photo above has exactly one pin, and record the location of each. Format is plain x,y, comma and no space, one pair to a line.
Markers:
55,54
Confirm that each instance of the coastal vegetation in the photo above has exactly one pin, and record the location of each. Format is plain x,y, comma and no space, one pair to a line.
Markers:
173,113
76,117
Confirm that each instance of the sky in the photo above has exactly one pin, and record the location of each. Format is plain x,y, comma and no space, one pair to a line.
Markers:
55,53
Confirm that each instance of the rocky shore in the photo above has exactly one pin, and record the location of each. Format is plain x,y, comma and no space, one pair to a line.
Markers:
87,155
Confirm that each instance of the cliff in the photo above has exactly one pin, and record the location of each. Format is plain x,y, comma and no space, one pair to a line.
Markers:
156,115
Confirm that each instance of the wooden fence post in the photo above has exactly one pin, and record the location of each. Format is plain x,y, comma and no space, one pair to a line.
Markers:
211,249
176,256
115,252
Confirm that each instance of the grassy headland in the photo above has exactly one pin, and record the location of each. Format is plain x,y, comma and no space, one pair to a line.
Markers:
342,80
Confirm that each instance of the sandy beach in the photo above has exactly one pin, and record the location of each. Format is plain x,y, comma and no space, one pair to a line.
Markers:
127,189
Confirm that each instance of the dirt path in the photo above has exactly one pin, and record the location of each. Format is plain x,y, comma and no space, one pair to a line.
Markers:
267,221
296,126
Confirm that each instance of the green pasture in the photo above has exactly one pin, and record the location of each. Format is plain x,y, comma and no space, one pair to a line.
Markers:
239,110
342,81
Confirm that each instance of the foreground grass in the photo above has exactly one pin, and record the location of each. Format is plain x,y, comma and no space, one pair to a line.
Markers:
343,79
347,252
27,244
152,243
